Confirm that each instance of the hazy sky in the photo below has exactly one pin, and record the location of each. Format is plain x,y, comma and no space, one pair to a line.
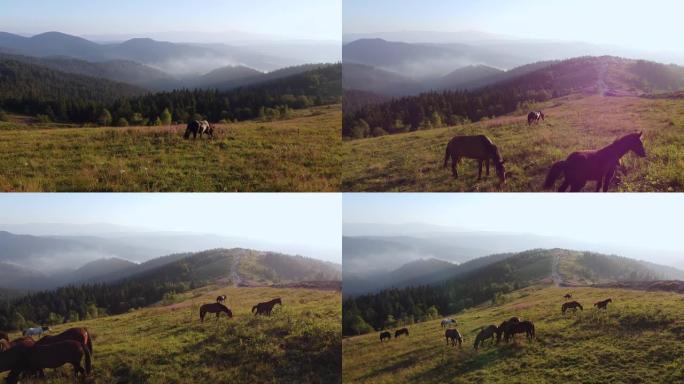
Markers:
299,19
646,25
640,220
309,219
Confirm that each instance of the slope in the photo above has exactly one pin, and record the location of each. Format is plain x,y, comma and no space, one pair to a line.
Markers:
638,339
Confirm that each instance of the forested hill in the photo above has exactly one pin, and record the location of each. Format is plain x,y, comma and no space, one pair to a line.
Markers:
487,279
33,90
607,75
168,277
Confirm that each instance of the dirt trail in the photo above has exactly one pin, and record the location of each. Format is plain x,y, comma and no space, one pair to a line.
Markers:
234,275
555,276
601,81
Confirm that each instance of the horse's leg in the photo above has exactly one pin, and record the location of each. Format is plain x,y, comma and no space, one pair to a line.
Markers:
454,165
599,183
564,186
479,173
577,186
608,179
487,163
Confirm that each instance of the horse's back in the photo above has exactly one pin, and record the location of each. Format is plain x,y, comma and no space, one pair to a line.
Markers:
477,146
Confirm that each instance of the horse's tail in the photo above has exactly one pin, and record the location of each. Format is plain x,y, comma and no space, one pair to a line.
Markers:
554,172
446,155
88,360
89,342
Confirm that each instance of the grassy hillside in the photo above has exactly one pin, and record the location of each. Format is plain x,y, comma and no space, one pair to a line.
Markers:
413,161
167,343
638,340
298,154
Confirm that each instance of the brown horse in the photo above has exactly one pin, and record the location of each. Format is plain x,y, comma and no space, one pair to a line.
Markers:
504,326
214,308
526,327
79,335
486,333
571,305
534,117
39,357
11,357
603,304
402,331
478,147
266,308
598,165
221,299
454,335
385,335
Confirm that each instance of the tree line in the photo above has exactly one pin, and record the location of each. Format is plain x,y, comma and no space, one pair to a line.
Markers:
59,97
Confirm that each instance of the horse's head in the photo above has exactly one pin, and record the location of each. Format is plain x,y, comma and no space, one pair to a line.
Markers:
501,171
636,144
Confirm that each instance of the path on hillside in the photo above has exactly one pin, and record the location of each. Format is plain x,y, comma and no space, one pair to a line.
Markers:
601,81
555,276
234,275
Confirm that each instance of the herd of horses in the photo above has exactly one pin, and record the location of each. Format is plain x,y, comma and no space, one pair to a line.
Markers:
577,169
26,357
505,331
219,307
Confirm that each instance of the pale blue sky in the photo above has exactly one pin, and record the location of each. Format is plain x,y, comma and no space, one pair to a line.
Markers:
647,25
641,220
298,19
308,219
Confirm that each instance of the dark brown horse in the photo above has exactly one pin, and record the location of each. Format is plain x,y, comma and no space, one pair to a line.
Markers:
12,357
504,326
39,357
571,305
603,304
567,296
486,333
214,308
385,335
402,331
598,165
266,308
534,117
478,147
79,335
526,327
454,335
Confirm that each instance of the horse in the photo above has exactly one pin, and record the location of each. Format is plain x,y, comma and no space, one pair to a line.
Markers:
504,326
447,322
526,327
486,333
603,304
214,308
198,126
266,308
598,165
385,335
80,335
454,335
478,147
571,305
37,331
12,356
221,299
402,331
534,117
567,296
39,357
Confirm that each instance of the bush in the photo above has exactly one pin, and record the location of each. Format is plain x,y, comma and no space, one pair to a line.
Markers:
122,122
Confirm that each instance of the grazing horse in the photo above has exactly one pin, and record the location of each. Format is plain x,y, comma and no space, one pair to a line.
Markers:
447,322
221,299
504,325
598,165
11,357
198,126
454,335
486,333
526,327
603,304
385,335
571,305
567,296
37,331
534,117
214,308
402,331
478,147
39,357
80,335
266,308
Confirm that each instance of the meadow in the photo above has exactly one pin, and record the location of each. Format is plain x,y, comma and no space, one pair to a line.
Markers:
637,340
166,343
413,161
302,153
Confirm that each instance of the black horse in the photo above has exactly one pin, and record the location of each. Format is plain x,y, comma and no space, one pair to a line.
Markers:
385,335
402,331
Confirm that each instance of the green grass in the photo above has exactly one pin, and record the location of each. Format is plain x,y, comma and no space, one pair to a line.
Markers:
298,154
300,343
640,339
413,161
